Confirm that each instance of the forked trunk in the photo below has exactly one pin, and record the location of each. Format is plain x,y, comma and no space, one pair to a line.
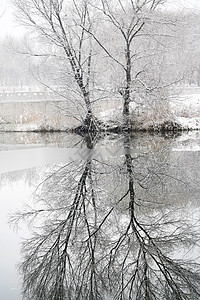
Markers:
90,124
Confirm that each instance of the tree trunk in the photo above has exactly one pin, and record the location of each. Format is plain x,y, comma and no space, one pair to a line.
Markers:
90,124
126,95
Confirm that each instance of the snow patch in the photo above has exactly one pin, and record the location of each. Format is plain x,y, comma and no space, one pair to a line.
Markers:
189,141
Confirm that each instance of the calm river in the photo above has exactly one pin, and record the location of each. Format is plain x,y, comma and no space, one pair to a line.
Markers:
111,218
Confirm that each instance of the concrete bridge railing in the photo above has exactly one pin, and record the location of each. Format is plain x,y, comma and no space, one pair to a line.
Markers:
45,109
30,96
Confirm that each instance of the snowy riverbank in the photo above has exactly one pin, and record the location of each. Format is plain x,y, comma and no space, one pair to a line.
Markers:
182,112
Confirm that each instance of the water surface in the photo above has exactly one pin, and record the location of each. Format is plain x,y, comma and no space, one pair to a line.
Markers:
112,208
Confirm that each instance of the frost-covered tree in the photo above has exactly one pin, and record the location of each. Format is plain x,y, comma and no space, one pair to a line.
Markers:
189,42
65,24
15,69
103,49
137,32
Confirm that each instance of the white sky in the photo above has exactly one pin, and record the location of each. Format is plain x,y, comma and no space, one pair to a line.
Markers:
9,26
186,4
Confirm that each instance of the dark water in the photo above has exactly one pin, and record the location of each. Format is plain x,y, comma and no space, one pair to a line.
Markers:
111,218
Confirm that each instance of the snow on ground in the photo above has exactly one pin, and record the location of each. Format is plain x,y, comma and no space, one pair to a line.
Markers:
188,123
2,121
111,115
187,141
186,108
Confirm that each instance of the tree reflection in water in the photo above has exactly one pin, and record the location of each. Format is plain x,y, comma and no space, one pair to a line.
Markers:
98,235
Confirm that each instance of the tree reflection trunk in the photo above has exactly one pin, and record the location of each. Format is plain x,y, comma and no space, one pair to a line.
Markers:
90,248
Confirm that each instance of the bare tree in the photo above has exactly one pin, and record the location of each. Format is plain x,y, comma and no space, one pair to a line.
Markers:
139,30
65,24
